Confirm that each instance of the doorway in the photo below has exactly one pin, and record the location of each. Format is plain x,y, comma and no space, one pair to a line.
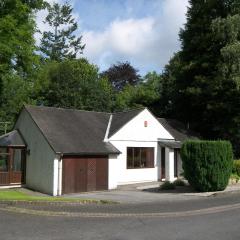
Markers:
163,161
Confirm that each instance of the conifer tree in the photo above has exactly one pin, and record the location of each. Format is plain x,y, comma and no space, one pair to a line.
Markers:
60,42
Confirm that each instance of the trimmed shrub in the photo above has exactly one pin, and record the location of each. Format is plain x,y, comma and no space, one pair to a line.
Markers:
207,165
236,167
167,186
179,182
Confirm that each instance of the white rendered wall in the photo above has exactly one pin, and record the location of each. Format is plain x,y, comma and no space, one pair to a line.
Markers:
134,130
113,173
169,167
40,164
134,134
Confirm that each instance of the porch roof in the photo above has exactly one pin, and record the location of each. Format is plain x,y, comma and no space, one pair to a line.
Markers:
170,143
12,139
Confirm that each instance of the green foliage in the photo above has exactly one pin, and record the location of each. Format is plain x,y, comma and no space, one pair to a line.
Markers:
73,84
179,182
60,42
145,93
234,178
18,59
207,165
17,92
236,167
201,84
16,39
121,75
167,186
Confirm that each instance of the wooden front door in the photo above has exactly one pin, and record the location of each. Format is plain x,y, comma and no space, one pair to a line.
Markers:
12,166
82,174
163,162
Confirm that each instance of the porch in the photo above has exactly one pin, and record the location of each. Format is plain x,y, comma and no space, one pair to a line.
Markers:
170,160
12,160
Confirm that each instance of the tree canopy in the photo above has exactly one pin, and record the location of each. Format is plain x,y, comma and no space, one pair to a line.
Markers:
73,84
122,74
59,42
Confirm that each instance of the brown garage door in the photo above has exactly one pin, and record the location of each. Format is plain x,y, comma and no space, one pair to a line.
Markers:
82,174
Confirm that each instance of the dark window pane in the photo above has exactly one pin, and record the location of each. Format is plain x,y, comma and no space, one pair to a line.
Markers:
3,163
137,157
130,157
3,150
17,160
143,157
150,157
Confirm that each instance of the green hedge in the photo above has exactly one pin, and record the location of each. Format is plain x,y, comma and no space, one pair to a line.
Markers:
236,167
207,165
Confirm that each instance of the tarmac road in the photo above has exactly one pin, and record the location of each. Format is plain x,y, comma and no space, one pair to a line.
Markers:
209,218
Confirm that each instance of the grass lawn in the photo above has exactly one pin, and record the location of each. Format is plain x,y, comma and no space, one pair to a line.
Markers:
16,195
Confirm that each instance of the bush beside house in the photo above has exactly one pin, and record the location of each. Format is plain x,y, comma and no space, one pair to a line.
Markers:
207,165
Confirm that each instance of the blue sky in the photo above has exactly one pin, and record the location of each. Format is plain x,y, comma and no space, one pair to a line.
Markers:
143,32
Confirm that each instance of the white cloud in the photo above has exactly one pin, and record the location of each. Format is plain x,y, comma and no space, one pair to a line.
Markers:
147,42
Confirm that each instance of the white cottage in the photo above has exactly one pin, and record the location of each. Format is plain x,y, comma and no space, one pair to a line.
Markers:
59,151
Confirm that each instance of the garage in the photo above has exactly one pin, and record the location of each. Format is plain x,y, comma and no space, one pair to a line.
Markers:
82,174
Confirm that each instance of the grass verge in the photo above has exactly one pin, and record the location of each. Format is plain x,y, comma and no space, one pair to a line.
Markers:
16,195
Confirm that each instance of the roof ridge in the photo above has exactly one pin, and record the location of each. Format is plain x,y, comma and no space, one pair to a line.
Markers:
68,109
82,110
130,110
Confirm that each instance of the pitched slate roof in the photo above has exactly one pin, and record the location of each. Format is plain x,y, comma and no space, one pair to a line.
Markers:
71,131
120,119
178,130
13,139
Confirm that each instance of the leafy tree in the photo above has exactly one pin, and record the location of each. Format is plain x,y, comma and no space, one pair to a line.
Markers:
197,83
168,91
122,74
60,42
17,27
145,94
73,84
227,31
18,59
17,92
205,92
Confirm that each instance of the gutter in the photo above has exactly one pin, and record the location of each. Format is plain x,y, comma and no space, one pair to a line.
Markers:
108,128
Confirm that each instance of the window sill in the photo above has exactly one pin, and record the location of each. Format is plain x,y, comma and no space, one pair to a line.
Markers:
140,168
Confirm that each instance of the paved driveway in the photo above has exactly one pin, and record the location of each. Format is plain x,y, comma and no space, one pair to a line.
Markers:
138,193
148,192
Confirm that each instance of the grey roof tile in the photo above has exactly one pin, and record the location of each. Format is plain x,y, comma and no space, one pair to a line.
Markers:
71,131
12,138
178,130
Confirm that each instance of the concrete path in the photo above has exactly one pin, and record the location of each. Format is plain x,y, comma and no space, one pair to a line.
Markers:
145,193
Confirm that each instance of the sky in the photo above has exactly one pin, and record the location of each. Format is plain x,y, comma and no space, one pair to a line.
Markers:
142,32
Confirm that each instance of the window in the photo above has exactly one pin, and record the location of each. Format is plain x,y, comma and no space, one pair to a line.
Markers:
4,160
140,157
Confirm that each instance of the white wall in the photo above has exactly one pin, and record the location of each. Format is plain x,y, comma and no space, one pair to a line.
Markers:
40,161
134,134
